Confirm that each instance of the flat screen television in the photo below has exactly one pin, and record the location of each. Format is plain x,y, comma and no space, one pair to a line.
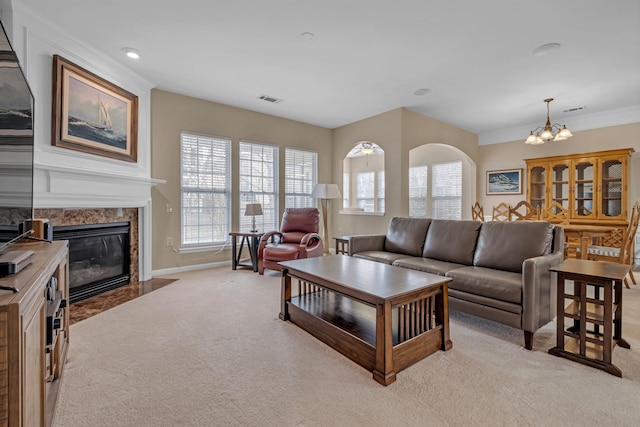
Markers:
16,147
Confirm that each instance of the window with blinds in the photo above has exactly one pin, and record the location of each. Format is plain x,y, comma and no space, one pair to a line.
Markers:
365,190
345,190
259,184
205,168
418,191
301,176
446,190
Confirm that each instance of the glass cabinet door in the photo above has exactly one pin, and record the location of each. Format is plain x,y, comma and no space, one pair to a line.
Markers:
583,181
611,184
537,186
560,184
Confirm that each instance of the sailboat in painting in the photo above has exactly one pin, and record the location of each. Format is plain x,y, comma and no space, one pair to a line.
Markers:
99,129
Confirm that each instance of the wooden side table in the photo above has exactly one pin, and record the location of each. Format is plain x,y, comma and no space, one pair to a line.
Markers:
588,309
253,241
342,245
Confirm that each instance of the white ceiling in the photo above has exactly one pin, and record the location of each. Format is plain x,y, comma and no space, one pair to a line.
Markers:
370,56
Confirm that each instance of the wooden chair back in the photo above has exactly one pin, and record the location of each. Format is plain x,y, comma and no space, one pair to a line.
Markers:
477,213
624,250
555,213
524,211
500,212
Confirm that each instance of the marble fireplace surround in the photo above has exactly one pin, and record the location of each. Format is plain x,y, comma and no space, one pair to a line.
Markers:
62,217
72,195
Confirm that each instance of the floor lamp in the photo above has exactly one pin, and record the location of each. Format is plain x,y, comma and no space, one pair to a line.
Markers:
325,192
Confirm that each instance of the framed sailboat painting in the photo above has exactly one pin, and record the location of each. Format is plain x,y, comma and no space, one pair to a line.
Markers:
92,115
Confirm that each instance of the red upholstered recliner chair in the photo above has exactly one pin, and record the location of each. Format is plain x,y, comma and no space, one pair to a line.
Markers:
298,238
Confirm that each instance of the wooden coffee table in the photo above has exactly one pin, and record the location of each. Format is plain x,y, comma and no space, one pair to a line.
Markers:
382,317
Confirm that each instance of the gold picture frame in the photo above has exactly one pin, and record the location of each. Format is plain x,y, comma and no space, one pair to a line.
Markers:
91,114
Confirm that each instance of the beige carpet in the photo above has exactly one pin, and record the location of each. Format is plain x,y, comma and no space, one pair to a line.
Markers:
209,350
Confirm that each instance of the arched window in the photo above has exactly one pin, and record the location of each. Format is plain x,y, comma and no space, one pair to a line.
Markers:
441,182
363,182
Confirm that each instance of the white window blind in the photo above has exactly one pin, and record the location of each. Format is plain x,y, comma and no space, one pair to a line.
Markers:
259,184
345,190
418,191
301,176
380,192
446,190
206,189
365,190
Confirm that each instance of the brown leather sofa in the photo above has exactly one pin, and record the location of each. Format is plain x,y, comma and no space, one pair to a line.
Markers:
298,238
500,270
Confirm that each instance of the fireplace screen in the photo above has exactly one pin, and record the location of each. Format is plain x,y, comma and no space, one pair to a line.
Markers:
99,257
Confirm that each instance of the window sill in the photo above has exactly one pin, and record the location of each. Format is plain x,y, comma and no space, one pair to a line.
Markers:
361,213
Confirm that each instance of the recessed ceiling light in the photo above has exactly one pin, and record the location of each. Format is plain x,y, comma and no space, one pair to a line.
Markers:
131,53
546,49
421,92
307,35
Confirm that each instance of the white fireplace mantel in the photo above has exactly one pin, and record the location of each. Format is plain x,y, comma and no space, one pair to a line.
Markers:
64,187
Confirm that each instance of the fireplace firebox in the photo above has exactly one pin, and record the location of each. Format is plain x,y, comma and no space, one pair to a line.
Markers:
99,257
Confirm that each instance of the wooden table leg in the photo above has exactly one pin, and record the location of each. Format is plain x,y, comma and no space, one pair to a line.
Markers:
234,257
442,316
383,372
285,294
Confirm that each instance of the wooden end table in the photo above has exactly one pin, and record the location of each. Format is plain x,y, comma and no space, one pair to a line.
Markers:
253,241
590,347
342,245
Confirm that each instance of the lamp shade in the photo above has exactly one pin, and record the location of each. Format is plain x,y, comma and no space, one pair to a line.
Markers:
326,191
253,209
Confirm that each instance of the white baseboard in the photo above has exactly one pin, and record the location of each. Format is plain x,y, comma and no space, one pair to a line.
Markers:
175,270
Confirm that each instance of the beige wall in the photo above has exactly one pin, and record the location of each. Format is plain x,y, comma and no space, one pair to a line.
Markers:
171,114
396,132
512,155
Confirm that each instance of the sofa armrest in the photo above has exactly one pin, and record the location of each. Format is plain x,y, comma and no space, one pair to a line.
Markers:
366,242
539,290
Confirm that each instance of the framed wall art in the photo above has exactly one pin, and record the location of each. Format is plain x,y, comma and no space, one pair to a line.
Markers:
92,115
507,181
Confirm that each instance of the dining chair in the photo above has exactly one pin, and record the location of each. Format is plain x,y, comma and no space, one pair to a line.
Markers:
622,254
477,213
524,211
555,213
501,212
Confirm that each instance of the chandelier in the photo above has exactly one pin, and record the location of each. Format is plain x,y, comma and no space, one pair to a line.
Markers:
367,147
548,132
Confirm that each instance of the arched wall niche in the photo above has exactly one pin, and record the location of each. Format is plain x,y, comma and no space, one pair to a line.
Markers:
429,154
363,180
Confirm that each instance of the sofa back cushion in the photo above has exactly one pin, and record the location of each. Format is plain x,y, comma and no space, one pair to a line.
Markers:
452,240
505,245
406,235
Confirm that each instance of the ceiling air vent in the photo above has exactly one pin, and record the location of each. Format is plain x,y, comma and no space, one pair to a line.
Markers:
571,110
271,99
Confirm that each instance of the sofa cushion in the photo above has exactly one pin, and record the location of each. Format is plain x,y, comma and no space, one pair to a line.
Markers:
487,282
406,235
427,265
452,240
380,256
505,245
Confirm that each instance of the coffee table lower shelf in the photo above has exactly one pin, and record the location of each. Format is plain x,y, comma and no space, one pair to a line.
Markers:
349,327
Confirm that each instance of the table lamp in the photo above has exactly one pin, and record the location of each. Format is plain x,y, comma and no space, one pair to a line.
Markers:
253,209
325,192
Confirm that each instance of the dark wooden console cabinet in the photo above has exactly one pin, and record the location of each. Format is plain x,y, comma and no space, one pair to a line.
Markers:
34,335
